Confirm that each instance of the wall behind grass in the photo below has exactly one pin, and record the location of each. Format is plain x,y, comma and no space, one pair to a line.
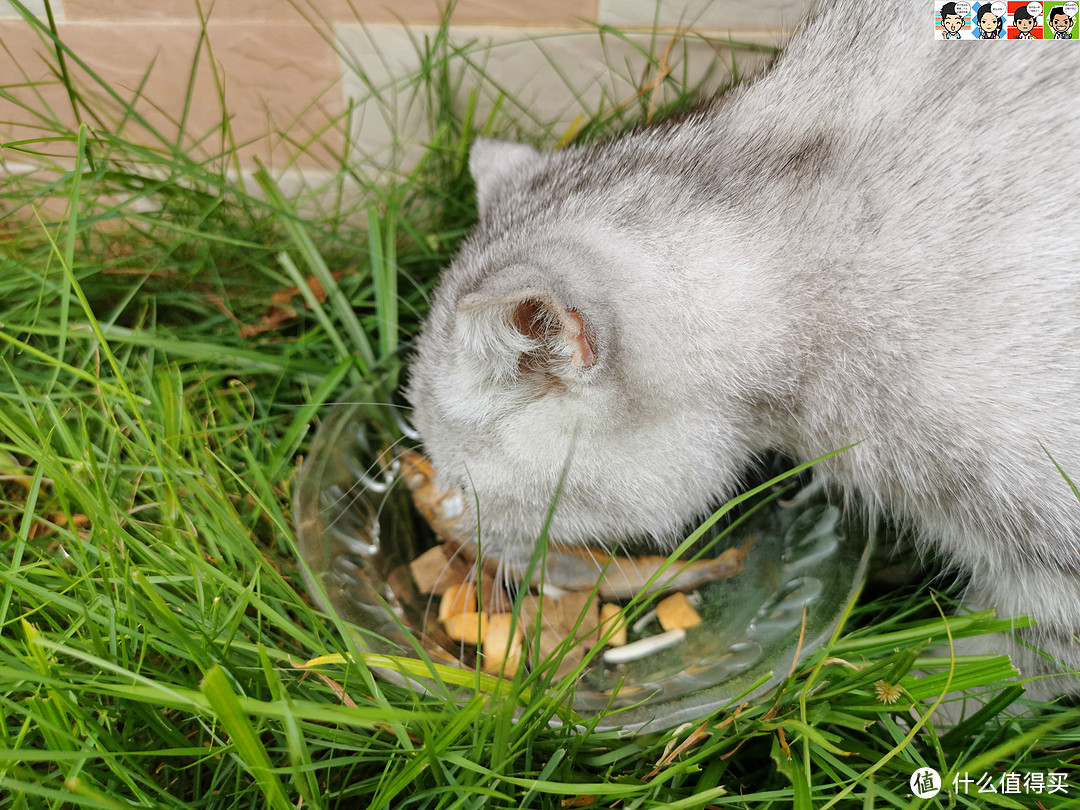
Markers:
305,86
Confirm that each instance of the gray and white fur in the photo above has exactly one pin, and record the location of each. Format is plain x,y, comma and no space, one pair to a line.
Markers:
877,241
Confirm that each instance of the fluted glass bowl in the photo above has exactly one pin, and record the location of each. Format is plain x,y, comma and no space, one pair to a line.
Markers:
357,532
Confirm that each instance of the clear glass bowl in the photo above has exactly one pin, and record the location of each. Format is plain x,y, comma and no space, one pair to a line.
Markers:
357,532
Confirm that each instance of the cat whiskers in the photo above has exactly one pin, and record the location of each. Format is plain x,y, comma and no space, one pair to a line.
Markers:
615,566
367,483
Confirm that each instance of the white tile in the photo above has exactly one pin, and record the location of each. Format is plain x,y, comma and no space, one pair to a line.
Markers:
389,112
546,81
36,7
714,15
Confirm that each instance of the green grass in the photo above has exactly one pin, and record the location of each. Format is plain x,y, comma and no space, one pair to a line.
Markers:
153,620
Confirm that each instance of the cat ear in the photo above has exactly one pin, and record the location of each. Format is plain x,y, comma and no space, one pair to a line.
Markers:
528,336
496,164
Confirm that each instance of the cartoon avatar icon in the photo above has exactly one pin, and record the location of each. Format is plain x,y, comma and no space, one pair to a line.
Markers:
951,21
1061,22
1024,22
989,23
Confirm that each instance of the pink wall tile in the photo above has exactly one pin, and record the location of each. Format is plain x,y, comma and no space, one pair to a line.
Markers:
21,64
529,12
284,73
217,10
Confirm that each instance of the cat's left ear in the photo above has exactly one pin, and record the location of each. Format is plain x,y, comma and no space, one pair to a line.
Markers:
528,334
497,164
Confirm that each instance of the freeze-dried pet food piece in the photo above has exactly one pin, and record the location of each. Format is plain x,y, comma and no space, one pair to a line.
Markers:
436,570
676,613
457,599
612,621
468,628
501,652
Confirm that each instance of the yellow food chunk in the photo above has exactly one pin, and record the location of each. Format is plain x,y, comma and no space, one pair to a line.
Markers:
469,628
676,612
457,599
611,617
499,648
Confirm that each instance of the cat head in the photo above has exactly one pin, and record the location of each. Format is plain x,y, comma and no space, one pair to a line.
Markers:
548,356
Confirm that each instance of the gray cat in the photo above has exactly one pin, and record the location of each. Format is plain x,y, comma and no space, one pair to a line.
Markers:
875,242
